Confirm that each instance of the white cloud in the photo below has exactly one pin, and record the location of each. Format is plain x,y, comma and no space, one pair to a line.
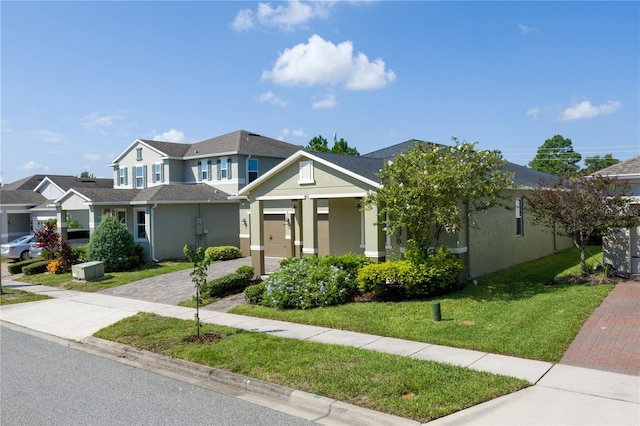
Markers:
49,136
321,62
270,97
586,110
286,17
172,135
32,166
533,112
92,157
94,120
328,101
524,29
299,133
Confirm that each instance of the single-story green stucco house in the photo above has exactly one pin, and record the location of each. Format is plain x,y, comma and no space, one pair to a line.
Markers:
310,204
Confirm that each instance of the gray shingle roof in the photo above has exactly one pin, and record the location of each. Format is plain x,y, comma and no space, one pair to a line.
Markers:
363,166
627,167
164,193
239,142
20,197
65,182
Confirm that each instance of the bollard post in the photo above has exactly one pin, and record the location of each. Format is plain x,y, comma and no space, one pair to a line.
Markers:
435,305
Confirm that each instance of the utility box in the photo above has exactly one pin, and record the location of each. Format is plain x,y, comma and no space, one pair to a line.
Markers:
88,271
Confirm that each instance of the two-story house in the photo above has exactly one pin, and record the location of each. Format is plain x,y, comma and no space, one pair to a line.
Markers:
171,194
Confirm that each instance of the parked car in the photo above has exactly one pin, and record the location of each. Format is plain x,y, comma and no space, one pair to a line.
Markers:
75,237
18,248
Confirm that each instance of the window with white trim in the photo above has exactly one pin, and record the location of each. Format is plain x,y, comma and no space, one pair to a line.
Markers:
121,215
141,225
139,154
223,167
141,178
158,172
122,176
519,218
252,169
306,172
204,170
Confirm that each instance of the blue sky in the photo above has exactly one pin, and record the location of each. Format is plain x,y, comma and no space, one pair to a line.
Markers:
82,80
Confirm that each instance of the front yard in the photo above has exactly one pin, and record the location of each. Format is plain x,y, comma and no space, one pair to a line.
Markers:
512,312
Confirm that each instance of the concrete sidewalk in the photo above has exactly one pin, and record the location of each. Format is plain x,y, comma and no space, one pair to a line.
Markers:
562,394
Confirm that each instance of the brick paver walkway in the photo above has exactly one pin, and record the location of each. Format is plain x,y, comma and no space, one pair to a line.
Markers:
610,339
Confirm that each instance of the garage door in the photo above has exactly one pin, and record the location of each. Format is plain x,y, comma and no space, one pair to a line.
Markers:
275,243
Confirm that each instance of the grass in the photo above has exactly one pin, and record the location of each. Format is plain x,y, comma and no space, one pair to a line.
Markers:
415,389
11,296
511,312
112,279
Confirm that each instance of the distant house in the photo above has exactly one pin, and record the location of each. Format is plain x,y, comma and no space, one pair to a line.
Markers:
27,204
621,248
310,204
171,194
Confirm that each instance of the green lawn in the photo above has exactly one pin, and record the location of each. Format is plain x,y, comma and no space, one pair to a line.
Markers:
11,296
112,279
509,312
416,389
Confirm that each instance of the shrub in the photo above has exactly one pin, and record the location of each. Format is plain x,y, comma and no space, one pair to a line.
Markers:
439,273
16,268
230,283
306,283
112,244
79,255
49,240
222,253
39,267
64,256
254,293
55,267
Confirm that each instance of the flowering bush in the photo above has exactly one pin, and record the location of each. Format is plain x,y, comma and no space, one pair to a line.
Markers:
56,267
306,283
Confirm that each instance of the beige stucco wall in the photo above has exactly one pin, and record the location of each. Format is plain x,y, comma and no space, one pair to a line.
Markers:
494,245
50,191
345,232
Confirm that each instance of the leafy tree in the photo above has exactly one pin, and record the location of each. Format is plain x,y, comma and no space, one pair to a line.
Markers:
557,157
431,189
318,143
342,147
49,240
86,175
198,275
595,163
579,206
113,244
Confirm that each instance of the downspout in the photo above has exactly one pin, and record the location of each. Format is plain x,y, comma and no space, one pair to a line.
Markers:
153,235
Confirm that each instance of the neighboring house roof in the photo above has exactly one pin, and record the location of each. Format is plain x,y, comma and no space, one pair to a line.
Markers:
242,142
199,193
64,182
20,197
238,142
627,168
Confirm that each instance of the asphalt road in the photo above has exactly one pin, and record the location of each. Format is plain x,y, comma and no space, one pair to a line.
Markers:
46,383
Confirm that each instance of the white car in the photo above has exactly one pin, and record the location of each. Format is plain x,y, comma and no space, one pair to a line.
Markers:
75,237
18,248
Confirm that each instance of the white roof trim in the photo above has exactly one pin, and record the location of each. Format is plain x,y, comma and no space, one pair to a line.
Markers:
340,195
68,193
134,143
295,157
45,180
281,197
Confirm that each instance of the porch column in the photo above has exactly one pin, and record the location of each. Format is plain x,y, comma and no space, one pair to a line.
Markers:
296,228
62,223
245,228
375,237
257,238
310,227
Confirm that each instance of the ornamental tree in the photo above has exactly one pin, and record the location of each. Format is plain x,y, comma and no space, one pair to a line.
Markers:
113,244
579,206
48,240
430,189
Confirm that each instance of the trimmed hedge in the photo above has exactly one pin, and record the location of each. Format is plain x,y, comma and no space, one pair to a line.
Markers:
16,268
230,283
438,274
214,254
253,294
35,268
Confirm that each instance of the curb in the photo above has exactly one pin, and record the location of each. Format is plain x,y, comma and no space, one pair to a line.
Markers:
318,408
